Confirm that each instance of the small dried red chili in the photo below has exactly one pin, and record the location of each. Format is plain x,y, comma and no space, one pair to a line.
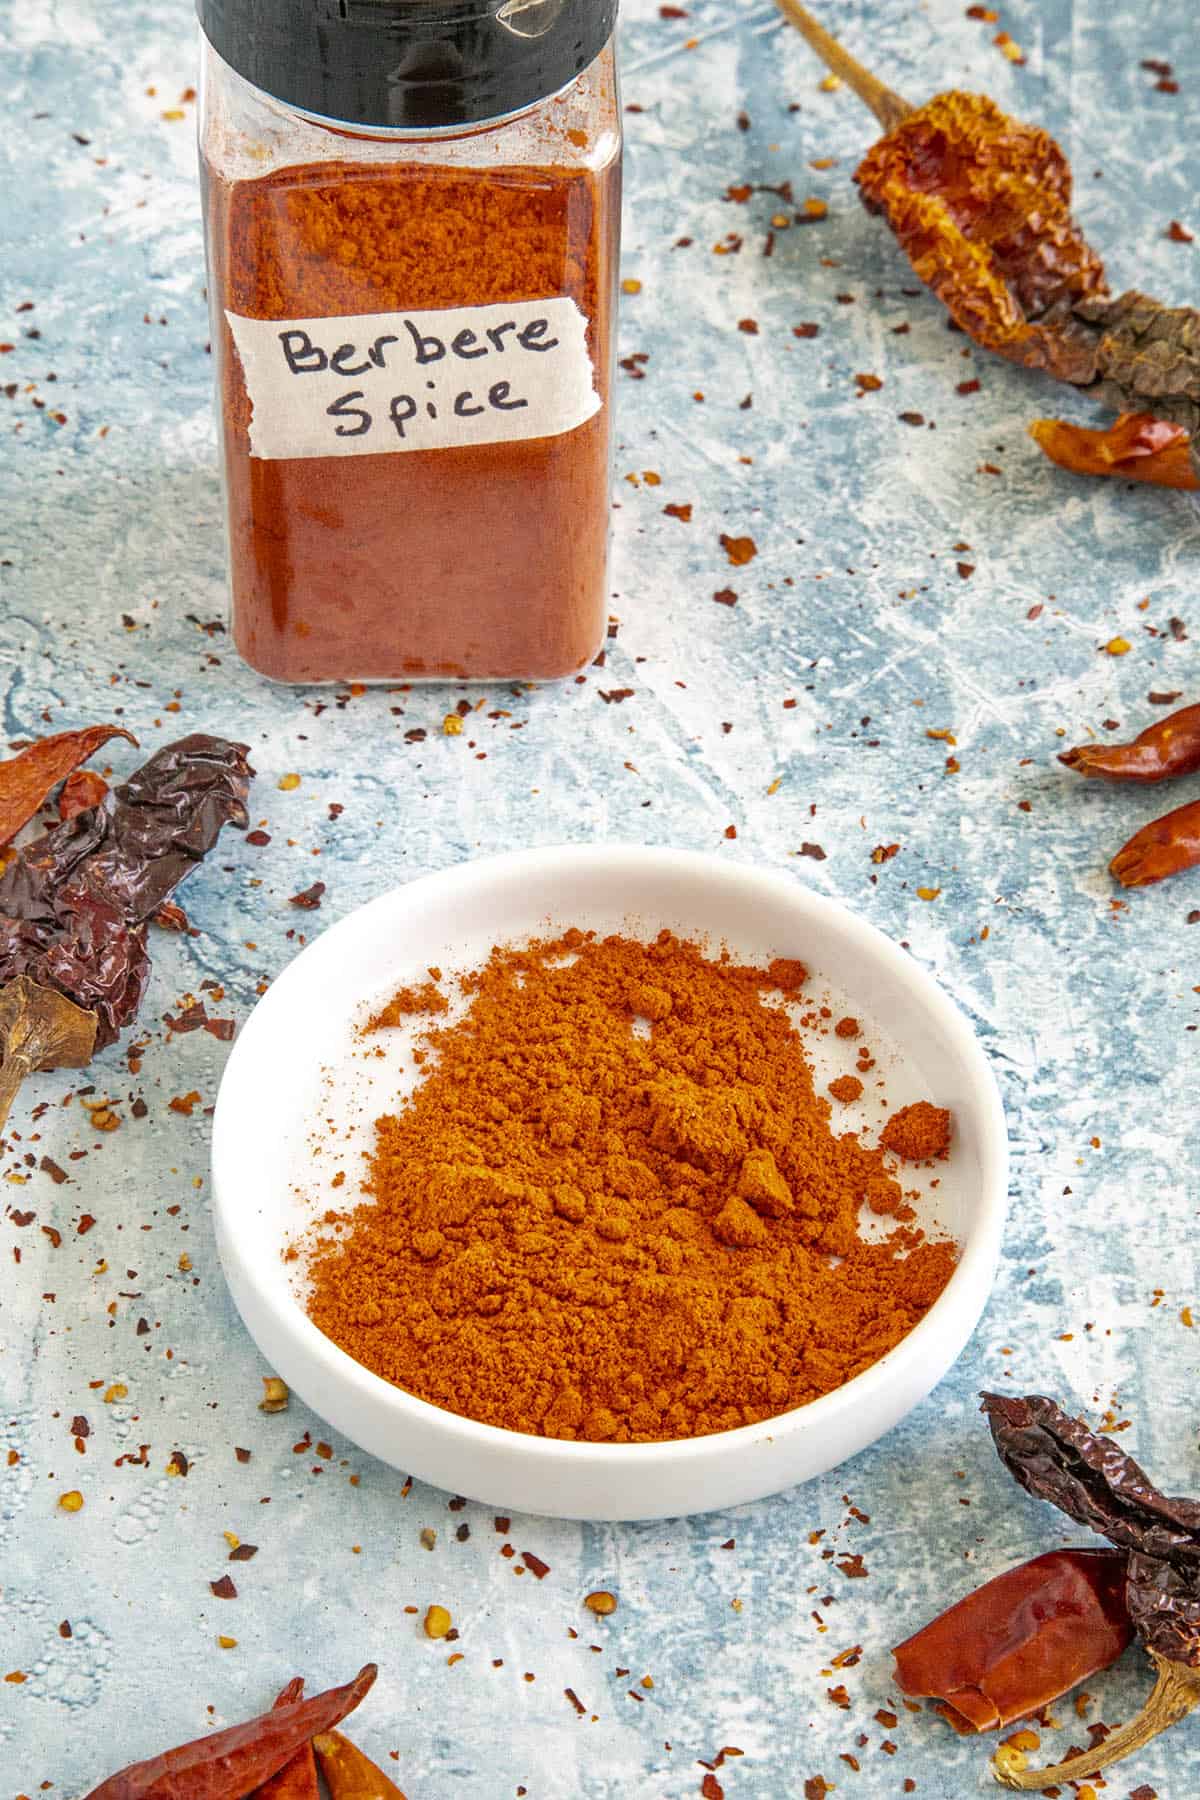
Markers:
1163,847
1138,447
231,1764
1169,747
297,1780
1020,1640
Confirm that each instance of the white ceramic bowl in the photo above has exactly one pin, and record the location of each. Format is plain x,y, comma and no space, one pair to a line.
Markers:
271,1096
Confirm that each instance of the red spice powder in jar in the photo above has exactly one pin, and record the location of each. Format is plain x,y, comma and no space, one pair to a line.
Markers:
411,222
487,560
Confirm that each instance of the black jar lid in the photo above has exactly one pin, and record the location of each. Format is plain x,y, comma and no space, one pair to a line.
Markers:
408,64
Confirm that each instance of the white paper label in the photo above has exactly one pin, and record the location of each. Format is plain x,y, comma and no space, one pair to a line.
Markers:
433,380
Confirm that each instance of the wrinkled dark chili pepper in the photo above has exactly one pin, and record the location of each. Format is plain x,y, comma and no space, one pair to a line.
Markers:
74,904
1167,748
1164,847
1056,1458
230,1764
980,202
1020,1640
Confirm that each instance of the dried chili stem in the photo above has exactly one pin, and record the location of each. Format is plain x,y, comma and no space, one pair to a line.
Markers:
1175,1694
887,106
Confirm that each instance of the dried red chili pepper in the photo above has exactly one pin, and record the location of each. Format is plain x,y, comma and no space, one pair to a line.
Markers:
1167,748
1138,447
26,779
981,204
1020,1640
231,1764
1090,1478
1164,847
297,1780
348,1774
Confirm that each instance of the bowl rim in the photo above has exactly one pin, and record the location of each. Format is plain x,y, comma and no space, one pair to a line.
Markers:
973,1274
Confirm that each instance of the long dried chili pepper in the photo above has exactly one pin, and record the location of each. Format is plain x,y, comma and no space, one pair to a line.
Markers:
980,202
1138,447
1088,1477
1022,1639
1164,847
1169,747
297,1780
231,1764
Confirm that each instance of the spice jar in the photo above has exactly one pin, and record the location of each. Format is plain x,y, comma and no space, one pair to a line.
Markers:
411,219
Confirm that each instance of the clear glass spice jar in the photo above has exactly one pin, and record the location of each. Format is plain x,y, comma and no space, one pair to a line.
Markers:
412,212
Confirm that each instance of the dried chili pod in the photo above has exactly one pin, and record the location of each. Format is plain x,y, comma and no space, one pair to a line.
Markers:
27,779
297,1780
74,903
1138,447
981,204
348,1774
1020,1640
1168,747
230,1764
1087,1476
1163,847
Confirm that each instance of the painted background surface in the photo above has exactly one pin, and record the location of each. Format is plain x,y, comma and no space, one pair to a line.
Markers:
853,637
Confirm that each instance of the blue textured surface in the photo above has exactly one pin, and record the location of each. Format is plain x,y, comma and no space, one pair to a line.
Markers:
853,610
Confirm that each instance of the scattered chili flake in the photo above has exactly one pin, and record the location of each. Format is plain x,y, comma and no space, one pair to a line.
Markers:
600,1602
57,1175
868,384
884,852
16,1677
428,1537
535,1565
1118,646
816,1788
965,570
275,1395
242,1455
812,850
679,510
806,330
308,898
631,285
287,783
243,1552
177,1463
227,1643
725,597
502,1524
911,418
183,1103
739,550
437,1622
72,1501
711,1789
1179,234
968,387
853,1567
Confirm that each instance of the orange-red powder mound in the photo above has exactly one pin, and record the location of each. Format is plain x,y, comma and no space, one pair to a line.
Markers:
614,1207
